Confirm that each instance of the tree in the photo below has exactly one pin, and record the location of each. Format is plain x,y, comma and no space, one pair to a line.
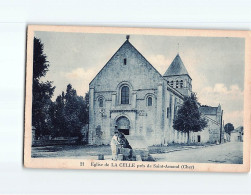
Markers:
57,116
69,114
189,118
85,113
73,104
41,91
229,127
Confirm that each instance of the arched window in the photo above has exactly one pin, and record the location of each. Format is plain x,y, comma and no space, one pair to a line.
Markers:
171,83
149,101
181,84
125,95
101,102
177,84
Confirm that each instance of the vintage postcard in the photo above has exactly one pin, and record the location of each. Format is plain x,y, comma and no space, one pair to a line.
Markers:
137,99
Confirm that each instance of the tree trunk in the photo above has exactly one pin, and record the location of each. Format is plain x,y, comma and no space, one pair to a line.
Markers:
188,137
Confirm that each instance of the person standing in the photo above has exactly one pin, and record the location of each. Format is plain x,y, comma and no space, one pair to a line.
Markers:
114,145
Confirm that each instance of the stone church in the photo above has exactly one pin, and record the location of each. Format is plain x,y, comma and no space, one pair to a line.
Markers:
131,95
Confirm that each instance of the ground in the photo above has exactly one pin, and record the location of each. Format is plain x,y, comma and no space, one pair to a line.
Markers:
70,151
229,153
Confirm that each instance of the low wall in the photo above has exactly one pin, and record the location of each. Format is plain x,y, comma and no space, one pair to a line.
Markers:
36,143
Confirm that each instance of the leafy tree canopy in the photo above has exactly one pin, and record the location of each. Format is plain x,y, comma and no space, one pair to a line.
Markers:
189,118
228,128
42,91
40,63
70,114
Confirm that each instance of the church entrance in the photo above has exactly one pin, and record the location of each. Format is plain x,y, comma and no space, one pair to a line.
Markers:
123,125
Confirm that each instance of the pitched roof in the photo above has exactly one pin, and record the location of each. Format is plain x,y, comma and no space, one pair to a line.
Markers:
176,68
127,42
208,110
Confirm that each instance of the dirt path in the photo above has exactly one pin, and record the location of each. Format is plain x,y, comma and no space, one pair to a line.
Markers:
229,153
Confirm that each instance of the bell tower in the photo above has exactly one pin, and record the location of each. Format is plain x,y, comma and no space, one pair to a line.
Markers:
178,78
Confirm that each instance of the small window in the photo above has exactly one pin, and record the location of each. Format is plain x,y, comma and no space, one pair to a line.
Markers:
98,131
168,82
171,83
149,101
177,84
101,102
170,106
167,112
181,84
124,61
199,139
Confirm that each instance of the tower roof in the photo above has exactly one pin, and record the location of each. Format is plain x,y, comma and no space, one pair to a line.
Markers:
176,68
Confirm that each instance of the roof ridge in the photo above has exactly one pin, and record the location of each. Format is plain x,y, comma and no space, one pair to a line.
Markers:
146,60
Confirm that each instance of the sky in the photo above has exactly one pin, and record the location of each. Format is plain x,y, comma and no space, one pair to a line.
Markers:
215,64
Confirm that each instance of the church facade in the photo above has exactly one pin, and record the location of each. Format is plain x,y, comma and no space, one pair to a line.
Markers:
130,95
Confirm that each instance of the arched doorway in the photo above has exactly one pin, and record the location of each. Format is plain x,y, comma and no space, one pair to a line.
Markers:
123,125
